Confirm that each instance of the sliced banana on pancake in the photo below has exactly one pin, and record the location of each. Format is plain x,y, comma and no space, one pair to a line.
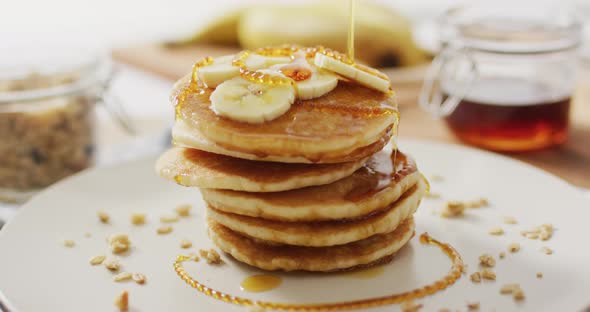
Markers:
320,83
310,81
247,101
222,68
365,76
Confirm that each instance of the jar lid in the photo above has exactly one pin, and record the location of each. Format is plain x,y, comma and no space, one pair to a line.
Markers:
30,73
515,27
33,73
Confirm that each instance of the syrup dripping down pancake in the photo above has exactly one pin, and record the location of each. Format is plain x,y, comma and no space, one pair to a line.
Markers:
325,233
191,167
373,187
331,126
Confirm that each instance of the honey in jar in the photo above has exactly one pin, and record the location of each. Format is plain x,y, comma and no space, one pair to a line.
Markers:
523,116
505,75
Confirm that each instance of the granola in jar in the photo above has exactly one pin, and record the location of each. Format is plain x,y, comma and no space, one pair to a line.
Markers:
46,125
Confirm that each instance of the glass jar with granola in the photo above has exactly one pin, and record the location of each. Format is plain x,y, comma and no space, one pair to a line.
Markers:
46,123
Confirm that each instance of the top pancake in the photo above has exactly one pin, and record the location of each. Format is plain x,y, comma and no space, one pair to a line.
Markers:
336,124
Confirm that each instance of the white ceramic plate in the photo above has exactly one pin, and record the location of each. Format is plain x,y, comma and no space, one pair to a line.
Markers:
37,273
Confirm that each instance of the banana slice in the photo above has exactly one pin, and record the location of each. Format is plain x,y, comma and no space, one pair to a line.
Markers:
246,101
320,83
376,81
273,60
222,68
316,82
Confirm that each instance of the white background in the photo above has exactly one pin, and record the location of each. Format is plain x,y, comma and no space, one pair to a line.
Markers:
34,25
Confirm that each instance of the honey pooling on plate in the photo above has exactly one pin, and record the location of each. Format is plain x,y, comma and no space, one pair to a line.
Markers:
450,278
261,283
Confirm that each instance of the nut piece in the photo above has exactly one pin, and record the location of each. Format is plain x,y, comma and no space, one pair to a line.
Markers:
214,257
514,289
453,209
164,230
509,288
509,220
539,275
185,243
487,260
475,277
211,256
112,264
138,218
122,301
478,203
545,235
169,218
183,210
514,247
488,274
69,243
103,217
496,231
119,243
96,260
194,256
410,306
546,250
518,294
473,306
544,232
123,276
139,278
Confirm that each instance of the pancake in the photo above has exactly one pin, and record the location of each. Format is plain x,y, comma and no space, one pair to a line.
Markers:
373,187
191,167
326,233
375,249
329,127
183,136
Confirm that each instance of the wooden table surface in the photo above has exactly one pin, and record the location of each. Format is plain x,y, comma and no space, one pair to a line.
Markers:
570,161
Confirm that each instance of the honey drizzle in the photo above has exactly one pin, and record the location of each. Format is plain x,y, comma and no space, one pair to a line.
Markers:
195,85
350,42
441,284
258,76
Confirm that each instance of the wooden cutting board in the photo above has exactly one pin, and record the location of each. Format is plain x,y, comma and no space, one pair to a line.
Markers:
570,161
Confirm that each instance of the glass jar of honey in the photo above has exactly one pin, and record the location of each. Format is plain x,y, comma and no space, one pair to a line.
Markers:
505,75
47,117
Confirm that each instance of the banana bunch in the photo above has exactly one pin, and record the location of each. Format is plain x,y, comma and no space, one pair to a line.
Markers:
384,35
238,98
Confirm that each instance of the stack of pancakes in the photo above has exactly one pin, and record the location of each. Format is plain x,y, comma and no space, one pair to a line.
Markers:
312,190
